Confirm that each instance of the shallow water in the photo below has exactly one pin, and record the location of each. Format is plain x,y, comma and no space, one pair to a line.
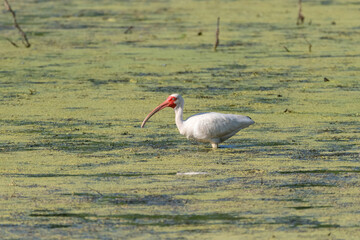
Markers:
76,164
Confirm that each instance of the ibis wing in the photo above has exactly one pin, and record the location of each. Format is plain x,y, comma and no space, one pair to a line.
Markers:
218,126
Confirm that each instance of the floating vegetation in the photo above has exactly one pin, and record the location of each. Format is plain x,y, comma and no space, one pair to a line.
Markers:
76,164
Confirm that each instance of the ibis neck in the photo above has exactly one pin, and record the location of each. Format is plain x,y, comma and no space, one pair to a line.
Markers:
179,118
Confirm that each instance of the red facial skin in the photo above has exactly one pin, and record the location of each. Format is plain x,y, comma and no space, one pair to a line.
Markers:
169,102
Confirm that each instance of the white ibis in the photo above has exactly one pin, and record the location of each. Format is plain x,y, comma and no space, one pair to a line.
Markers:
203,127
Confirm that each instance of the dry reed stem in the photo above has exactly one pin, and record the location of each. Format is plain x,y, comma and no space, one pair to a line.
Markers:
217,41
25,41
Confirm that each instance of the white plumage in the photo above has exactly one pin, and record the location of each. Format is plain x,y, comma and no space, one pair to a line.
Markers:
203,127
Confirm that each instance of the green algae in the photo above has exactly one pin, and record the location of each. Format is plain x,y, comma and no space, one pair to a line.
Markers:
76,164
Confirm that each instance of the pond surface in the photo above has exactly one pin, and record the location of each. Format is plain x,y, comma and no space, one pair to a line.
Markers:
76,164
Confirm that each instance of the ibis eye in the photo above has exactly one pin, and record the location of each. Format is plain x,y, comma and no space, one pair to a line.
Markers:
173,99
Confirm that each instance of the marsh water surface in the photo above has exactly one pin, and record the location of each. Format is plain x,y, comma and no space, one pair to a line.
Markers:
74,162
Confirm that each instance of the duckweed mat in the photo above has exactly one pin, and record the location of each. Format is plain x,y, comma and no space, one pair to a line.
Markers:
75,163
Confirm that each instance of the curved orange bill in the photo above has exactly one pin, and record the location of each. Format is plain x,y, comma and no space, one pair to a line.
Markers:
158,108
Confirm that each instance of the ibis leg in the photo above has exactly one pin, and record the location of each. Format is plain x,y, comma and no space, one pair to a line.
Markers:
214,145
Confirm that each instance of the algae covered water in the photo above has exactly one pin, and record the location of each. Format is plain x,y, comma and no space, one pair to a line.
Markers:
74,162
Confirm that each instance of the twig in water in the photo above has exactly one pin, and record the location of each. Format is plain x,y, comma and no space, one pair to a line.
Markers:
12,43
301,18
129,30
217,41
21,32
286,49
310,46
95,191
